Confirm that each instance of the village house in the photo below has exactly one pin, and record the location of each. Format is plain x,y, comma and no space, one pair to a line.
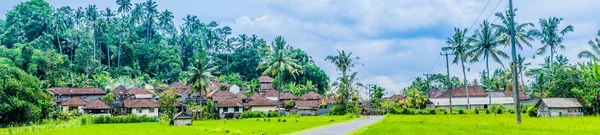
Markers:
96,107
61,94
554,107
120,95
142,107
230,108
287,97
433,93
309,104
181,119
263,104
138,93
75,103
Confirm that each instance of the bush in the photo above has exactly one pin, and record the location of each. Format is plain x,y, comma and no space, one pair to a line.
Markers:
487,111
461,111
532,111
273,114
292,115
511,111
441,111
107,119
252,114
283,120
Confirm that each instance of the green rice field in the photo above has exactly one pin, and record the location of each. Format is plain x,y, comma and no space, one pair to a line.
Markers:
480,124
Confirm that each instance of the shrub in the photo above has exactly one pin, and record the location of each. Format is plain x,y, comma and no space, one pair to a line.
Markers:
107,119
283,120
252,114
532,111
487,111
461,111
273,114
278,120
511,111
297,114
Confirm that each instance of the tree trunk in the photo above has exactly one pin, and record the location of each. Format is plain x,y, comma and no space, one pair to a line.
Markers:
119,52
487,66
465,80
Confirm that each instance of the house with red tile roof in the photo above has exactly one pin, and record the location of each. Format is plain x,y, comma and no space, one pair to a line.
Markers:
62,94
142,107
75,103
139,93
263,104
97,107
230,108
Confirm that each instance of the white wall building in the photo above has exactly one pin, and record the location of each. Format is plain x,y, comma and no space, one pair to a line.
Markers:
142,107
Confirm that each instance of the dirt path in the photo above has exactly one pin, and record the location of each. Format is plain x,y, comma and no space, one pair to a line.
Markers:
343,128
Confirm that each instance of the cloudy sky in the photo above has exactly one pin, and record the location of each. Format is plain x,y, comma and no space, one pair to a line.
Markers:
398,40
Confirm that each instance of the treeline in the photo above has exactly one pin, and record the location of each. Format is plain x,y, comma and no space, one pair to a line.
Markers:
132,45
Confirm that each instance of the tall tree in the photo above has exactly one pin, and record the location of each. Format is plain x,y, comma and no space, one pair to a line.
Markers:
124,6
521,34
281,61
346,83
201,73
151,11
551,36
595,52
460,45
485,45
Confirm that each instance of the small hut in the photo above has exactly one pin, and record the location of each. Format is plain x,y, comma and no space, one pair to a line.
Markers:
180,119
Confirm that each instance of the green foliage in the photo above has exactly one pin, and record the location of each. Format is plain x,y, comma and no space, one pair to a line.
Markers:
209,110
167,101
252,114
532,111
289,104
107,119
108,98
414,98
272,114
21,98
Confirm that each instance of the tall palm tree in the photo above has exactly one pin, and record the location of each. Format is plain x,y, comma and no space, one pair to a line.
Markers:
165,21
485,45
595,52
150,8
92,14
522,67
281,61
201,73
551,36
460,45
522,35
124,6
346,82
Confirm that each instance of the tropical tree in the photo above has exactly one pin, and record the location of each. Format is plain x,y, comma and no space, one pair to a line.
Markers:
124,6
280,61
551,37
414,98
460,45
595,52
485,45
521,34
347,82
201,73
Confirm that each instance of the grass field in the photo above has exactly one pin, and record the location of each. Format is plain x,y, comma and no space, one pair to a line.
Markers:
245,126
480,124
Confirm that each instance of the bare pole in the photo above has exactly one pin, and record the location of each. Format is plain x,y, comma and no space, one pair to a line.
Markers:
515,83
448,81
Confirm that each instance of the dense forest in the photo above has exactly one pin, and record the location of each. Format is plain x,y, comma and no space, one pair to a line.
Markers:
42,46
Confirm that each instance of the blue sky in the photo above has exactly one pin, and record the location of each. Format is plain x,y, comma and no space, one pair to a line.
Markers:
398,40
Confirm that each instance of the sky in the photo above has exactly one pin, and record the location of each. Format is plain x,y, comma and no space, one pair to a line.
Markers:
397,40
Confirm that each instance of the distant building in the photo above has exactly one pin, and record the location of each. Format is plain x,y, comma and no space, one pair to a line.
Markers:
263,104
75,103
553,107
474,102
96,107
230,108
62,94
180,119
434,93
474,91
142,107
138,93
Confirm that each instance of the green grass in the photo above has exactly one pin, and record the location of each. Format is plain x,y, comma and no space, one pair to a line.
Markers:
245,126
480,124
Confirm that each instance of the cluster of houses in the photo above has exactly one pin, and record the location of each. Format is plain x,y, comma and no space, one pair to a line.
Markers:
228,99
479,98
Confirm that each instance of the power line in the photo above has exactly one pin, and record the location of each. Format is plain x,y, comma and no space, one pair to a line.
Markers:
479,15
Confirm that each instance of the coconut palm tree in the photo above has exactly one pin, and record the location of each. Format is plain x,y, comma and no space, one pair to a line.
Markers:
124,6
595,52
281,61
551,36
346,82
460,45
485,45
522,67
201,73
522,35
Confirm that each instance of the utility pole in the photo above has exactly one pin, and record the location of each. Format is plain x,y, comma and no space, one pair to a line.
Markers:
448,80
515,83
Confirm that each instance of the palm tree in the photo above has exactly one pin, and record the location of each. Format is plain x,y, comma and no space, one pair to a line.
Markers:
201,73
124,6
150,8
522,35
345,85
460,45
92,14
595,52
281,61
108,14
165,21
551,36
522,67
485,45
